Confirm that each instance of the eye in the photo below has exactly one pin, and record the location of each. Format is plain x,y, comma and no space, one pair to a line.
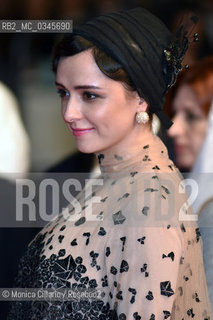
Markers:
190,117
89,95
63,93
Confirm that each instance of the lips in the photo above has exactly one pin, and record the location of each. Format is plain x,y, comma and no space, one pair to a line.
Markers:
79,132
179,148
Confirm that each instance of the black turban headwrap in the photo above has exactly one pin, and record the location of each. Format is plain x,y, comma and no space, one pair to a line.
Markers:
144,47
136,39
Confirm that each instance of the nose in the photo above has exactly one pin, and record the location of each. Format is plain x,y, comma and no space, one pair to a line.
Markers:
71,110
178,127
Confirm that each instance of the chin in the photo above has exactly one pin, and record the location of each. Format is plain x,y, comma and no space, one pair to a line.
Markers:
86,149
184,166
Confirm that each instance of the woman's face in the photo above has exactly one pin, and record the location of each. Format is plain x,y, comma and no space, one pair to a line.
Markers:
189,128
95,108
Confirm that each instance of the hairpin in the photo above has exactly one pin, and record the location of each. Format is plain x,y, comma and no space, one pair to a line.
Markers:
173,55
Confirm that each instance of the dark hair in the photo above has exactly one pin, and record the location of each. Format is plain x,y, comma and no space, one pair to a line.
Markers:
200,78
73,44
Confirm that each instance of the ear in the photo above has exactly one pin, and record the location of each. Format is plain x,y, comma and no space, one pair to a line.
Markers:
142,104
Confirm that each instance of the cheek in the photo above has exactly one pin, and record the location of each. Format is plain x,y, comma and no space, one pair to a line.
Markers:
197,135
108,115
63,108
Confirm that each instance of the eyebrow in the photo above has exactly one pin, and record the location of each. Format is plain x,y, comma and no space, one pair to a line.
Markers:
81,87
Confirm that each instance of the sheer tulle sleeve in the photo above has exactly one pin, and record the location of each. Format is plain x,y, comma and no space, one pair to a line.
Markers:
143,272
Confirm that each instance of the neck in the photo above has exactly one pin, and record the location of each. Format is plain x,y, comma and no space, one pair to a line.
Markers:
129,153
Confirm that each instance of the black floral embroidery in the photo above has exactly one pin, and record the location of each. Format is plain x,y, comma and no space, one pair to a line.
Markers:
170,255
182,227
180,289
165,189
113,182
124,266
123,239
61,252
100,215
63,228
51,231
119,295
87,234
132,174
136,316
119,158
144,268
156,167
104,199
145,210
141,240
151,190
181,260
74,242
185,278
49,240
190,313
56,273
166,289
195,296
108,251
146,158
104,281
198,234
126,195
118,217
133,291
155,177
113,270
94,256
60,238
149,296
100,157
167,314
80,221
101,232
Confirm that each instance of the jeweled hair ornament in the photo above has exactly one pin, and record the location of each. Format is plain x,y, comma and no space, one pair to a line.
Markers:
175,52
143,46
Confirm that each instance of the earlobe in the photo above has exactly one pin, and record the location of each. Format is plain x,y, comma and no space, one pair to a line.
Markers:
141,113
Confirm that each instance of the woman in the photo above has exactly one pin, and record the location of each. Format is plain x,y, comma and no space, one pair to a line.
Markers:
122,235
202,173
188,102
191,100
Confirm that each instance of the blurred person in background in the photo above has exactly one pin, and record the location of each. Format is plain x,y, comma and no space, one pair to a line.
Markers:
14,141
14,163
190,104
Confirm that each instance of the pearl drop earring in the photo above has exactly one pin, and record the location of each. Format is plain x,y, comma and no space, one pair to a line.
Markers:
142,117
